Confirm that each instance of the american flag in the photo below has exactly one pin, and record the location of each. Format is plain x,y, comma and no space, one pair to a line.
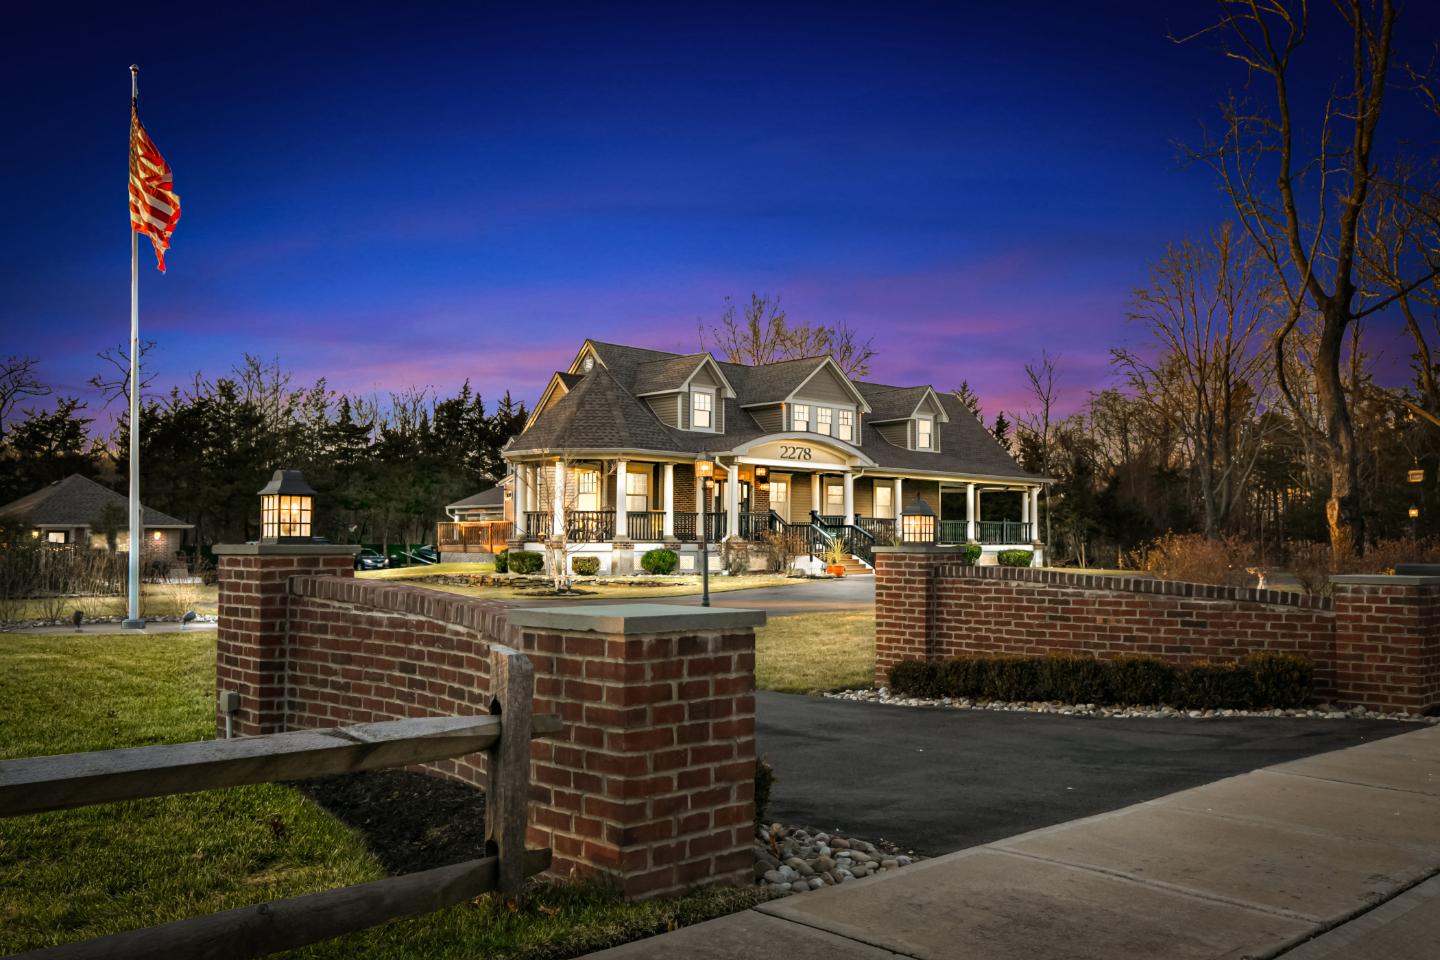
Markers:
154,206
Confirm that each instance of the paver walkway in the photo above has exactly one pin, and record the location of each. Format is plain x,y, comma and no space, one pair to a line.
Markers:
846,594
1251,866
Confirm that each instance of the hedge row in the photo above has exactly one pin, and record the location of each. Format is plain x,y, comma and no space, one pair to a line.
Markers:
1262,680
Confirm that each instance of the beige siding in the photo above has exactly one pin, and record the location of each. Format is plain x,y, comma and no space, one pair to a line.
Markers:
865,497
771,419
666,407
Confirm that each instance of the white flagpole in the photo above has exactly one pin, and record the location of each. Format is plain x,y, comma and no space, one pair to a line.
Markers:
137,533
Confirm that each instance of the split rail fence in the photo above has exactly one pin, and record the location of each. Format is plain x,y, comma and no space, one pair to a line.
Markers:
41,784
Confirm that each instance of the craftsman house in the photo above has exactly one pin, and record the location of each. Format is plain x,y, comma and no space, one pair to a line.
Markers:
77,510
608,460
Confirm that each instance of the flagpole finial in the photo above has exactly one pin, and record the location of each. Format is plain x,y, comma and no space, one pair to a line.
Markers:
134,81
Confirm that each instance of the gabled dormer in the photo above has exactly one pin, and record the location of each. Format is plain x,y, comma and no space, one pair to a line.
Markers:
811,395
910,417
687,392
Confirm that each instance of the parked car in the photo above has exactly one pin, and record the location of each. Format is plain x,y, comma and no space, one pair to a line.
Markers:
368,559
425,554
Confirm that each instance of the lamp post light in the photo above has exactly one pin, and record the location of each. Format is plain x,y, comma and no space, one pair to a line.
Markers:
287,508
705,471
917,523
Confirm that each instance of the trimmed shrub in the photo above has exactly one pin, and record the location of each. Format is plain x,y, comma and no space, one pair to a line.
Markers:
764,780
1011,678
502,561
1215,686
1282,680
972,554
1015,558
585,566
1073,678
1141,681
660,561
964,677
526,561
917,678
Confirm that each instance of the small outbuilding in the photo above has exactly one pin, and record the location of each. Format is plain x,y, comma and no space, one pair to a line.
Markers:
79,510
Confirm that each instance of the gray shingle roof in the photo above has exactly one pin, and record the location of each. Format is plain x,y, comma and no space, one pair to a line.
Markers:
494,497
77,501
602,412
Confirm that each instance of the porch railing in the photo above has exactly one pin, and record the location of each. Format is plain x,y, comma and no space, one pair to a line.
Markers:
590,526
685,529
645,525
954,531
716,526
538,524
882,529
1004,531
40,784
754,526
475,536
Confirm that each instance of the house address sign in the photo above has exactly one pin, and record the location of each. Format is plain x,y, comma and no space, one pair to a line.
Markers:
792,452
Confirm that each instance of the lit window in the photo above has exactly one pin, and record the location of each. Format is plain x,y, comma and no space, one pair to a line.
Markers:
835,499
847,425
823,417
885,502
55,536
637,492
587,486
800,416
702,406
924,428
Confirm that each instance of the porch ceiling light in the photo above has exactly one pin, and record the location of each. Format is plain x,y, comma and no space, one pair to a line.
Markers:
287,508
705,468
917,523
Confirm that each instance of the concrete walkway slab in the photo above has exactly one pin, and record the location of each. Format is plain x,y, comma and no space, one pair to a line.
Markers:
743,935
1413,772
990,905
1406,928
1365,813
1263,865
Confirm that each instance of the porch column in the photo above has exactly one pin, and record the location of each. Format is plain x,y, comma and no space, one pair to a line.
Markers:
1024,506
667,525
732,501
519,501
1034,497
972,503
849,481
557,520
621,467
899,499
815,492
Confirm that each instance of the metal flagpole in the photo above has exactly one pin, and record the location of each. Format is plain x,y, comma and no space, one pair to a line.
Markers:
137,534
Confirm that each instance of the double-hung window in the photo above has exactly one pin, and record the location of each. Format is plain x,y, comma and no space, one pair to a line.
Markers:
637,492
924,433
884,501
846,430
702,410
823,420
587,490
800,416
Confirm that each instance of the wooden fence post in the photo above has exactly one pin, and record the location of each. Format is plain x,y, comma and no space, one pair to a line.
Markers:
507,787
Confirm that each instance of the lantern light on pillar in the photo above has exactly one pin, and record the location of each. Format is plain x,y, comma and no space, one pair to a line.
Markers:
917,523
287,508
1414,513
762,478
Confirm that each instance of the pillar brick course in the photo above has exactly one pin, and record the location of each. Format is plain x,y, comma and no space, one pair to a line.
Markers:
651,783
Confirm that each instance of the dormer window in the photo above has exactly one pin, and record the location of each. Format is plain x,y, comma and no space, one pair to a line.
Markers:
846,429
702,410
924,433
823,420
800,416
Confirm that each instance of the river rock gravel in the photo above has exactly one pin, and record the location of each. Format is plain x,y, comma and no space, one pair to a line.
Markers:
790,859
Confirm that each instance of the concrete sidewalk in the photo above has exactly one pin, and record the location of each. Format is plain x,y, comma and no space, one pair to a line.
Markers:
1290,859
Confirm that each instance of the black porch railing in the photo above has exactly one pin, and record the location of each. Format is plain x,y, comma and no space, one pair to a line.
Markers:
881,529
590,526
686,529
716,526
648,525
1004,531
954,531
754,526
537,524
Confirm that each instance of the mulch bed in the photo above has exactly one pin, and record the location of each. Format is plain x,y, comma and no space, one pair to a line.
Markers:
410,821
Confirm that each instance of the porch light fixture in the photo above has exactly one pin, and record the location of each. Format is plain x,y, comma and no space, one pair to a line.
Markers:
704,468
1415,476
762,478
917,523
287,508
1414,513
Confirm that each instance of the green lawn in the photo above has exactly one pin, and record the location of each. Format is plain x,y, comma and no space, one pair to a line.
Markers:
83,873
640,587
815,651
156,600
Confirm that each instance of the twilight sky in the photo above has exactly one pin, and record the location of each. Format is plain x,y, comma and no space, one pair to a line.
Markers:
404,195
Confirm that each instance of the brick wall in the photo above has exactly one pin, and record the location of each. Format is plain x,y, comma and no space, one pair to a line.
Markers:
1377,645
651,781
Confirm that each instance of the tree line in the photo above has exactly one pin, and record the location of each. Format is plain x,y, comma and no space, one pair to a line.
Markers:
384,467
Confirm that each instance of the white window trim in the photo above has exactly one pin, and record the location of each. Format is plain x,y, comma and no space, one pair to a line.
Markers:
796,423
928,422
889,490
825,421
695,395
641,480
845,430
581,479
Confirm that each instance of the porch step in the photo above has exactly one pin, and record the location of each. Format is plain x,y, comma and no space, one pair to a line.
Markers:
855,568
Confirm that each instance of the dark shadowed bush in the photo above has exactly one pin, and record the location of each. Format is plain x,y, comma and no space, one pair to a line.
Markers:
1015,558
1011,678
1282,680
1141,681
1215,686
916,678
764,780
1073,678
964,677
502,561
585,566
660,561
972,554
526,561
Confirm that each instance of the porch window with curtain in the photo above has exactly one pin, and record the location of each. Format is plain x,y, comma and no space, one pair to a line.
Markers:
834,499
884,501
637,492
587,486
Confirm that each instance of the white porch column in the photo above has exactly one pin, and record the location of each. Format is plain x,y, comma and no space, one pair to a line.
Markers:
1024,506
815,492
972,503
621,467
557,520
732,500
1034,498
518,499
899,499
849,481
667,525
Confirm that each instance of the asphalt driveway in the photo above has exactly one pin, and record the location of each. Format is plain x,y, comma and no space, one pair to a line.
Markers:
940,780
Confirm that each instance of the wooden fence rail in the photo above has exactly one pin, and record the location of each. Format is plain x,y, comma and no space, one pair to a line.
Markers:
40,784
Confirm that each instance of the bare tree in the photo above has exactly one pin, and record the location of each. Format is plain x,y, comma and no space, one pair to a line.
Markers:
1041,375
1209,309
18,379
1311,245
113,380
764,334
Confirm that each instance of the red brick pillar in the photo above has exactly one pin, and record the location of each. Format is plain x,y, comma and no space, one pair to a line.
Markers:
1387,642
251,636
905,606
652,781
